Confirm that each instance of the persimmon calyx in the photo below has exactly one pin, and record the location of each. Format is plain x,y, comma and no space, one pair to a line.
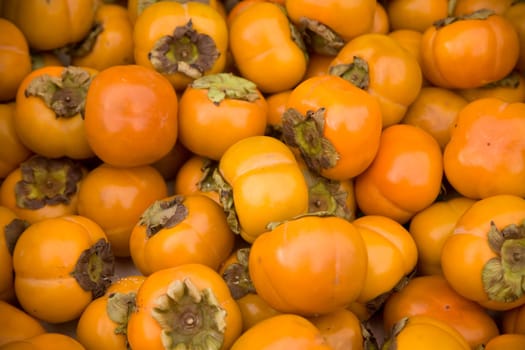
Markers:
119,307
237,276
226,199
95,267
222,86
321,38
504,276
480,14
207,183
306,133
47,181
163,214
511,81
190,318
84,47
391,342
65,95
12,232
186,51
356,72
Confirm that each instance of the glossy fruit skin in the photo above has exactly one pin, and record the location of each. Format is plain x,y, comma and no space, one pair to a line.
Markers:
135,7
12,150
392,254
515,14
229,121
16,324
131,116
468,247
404,178
352,121
161,19
95,329
381,20
415,14
426,332
283,263
410,39
45,341
513,320
201,236
336,14
115,198
143,329
41,129
269,165
254,309
114,45
261,56
461,55
341,329
191,173
506,341
435,110
463,7
51,25
431,227
487,143
384,56
286,331
433,296
514,92
44,258
15,60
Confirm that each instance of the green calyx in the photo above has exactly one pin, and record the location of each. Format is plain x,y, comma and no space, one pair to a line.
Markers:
237,276
356,72
186,51
119,307
481,14
306,134
226,199
95,267
222,86
319,37
66,94
504,276
164,213
47,181
190,318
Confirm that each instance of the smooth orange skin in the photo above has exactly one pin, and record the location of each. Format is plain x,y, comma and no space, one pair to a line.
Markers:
468,247
39,128
276,107
410,39
381,22
94,329
433,296
187,178
395,77
262,48
415,14
43,259
44,341
513,320
114,45
50,25
463,7
392,254
254,310
431,227
115,198
485,155
404,178
426,332
336,14
318,64
286,331
505,93
309,265
16,325
435,110
8,199
131,116
462,55
229,121
341,329
12,150
516,15
7,292
506,341
353,121
134,9
144,330
203,237
15,60
161,18
268,165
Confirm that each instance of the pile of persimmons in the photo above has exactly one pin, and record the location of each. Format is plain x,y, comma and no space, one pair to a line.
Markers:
262,174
